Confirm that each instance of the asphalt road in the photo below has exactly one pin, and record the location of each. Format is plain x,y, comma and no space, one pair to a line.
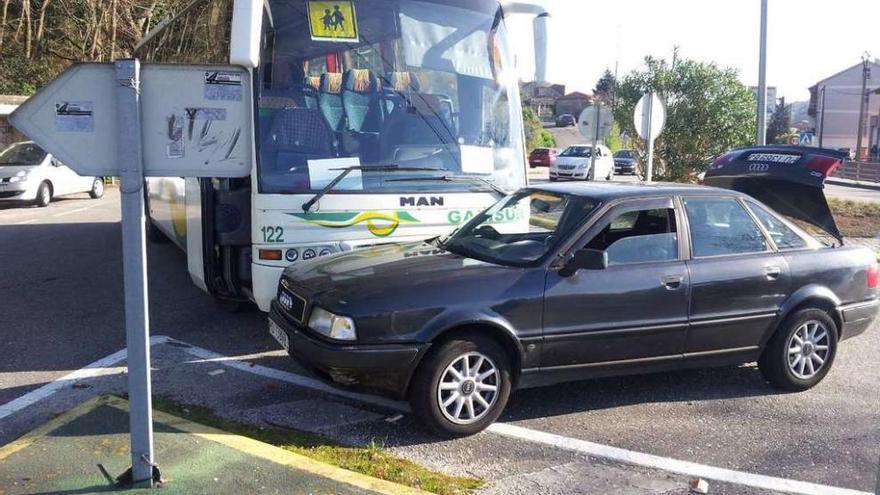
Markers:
62,309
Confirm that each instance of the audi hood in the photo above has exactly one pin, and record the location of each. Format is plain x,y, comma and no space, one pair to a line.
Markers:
789,179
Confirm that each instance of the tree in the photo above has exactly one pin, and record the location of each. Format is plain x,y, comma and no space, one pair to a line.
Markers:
536,135
709,111
779,128
605,89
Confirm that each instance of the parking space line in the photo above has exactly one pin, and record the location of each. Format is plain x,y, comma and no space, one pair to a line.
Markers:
76,210
668,464
105,366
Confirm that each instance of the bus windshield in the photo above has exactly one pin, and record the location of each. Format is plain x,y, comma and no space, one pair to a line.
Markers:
426,86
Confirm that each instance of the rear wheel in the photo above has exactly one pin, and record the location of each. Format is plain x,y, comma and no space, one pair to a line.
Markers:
462,386
44,195
801,352
97,190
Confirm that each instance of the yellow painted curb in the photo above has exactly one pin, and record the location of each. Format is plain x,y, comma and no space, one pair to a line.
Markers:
242,444
71,415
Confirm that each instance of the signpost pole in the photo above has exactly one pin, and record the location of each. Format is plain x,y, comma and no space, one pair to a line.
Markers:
649,175
595,140
134,261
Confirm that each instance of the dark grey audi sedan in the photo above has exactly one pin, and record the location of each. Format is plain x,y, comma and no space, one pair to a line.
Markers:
569,282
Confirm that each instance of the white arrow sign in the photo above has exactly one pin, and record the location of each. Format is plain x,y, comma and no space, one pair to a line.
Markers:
197,120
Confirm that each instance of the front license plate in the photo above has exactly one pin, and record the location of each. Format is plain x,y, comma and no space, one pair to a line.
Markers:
279,334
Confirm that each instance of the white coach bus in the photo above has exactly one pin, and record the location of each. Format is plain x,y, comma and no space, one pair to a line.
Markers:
375,121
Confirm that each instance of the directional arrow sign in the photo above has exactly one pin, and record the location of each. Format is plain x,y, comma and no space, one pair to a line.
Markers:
197,120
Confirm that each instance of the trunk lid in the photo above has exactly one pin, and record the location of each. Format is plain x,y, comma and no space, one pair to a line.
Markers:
789,179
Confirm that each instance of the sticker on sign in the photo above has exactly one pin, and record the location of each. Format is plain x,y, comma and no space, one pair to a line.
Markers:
197,120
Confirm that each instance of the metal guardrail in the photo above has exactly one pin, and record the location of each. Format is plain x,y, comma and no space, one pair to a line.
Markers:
859,171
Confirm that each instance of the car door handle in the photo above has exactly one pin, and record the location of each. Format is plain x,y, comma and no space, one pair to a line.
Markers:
672,282
772,272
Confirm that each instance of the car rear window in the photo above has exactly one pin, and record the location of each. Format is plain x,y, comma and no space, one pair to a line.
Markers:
784,236
722,226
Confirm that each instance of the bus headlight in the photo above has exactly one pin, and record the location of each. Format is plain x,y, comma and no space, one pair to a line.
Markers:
333,326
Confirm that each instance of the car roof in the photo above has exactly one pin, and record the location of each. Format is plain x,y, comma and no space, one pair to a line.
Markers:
616,190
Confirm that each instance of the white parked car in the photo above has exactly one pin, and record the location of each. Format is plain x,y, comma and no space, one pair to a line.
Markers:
575,163
29,174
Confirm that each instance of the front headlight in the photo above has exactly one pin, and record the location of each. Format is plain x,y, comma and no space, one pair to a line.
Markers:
21,176
333,326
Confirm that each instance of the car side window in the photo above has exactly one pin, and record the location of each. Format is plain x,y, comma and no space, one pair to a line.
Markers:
722,226
639,236
782,234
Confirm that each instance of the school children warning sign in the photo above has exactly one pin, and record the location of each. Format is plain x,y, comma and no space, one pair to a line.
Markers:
333,21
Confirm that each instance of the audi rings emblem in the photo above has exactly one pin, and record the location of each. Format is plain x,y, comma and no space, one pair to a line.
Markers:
759,167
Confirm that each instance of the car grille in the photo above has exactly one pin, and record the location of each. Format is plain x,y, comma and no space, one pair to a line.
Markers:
293,304
567,167
10,194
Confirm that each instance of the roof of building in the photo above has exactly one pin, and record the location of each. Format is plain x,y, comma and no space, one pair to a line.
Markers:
576,95
875,63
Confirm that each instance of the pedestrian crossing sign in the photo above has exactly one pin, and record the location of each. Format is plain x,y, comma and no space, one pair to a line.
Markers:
333,20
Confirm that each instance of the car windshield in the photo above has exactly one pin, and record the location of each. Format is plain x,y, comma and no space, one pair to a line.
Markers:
577,151
406,83
520,229
624,154
22,154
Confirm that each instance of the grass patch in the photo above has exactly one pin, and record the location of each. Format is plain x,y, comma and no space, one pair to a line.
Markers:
856,218
372,460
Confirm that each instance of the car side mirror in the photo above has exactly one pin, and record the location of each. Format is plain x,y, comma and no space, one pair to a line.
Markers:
54,162
585,259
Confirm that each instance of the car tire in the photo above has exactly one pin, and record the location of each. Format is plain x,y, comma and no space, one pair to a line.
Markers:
425,393
801,352
553,179
610,175
97,191
44,195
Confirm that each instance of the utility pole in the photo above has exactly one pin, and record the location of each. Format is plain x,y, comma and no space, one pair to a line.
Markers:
762,79
822,118
866,73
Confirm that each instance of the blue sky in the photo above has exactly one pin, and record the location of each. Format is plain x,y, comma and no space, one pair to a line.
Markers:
808,39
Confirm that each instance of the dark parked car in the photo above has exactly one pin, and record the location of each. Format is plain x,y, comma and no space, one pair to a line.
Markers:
574,281
542,157
566,120
626,162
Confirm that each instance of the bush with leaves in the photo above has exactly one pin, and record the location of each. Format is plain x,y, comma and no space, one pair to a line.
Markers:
536,135
708,111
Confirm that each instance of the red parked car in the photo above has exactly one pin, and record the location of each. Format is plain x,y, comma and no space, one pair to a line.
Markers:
542,157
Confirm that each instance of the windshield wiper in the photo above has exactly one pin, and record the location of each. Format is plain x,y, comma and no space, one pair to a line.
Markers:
456,178
307,206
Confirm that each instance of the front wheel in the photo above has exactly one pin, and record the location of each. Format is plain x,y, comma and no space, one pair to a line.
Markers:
44,195
97,190
462,386
801,352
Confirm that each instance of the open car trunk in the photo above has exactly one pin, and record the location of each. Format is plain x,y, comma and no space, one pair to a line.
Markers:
789,179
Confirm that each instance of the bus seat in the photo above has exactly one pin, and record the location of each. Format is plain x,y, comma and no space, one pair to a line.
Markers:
401,87
310,87
360,97
330,100
298,135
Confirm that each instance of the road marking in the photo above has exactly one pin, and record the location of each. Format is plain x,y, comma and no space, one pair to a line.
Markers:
77,210
102,367
535,436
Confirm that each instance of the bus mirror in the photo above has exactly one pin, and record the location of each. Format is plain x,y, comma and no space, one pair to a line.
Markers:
540,30
541,47
247,20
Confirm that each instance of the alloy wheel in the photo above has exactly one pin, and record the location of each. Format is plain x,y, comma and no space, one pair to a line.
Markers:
468,388
808,349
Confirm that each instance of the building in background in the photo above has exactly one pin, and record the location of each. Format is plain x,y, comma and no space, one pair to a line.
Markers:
542,98
835,103
9,134
573,103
